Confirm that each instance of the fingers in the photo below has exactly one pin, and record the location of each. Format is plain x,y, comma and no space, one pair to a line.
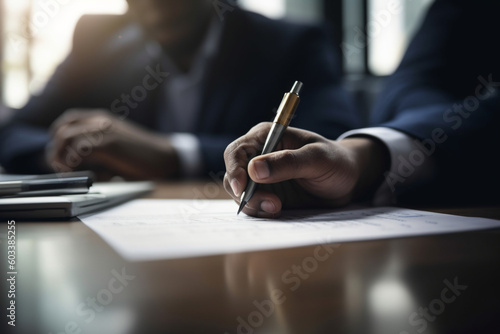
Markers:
308,162
302,157
77,123
236,157
323,169
75,135
78,137
72,116
238,154
67,117
263,204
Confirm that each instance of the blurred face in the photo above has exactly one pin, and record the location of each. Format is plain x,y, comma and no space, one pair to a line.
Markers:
173,23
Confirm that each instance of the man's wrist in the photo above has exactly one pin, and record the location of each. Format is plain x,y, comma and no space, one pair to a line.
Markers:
372,159
402,149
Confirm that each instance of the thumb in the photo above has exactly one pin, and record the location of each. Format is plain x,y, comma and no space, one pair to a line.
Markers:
285,165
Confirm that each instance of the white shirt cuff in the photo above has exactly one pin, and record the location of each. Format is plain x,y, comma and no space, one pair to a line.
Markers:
188,149
411,162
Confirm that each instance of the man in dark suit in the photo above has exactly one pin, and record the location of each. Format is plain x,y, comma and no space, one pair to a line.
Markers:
161,91
435,133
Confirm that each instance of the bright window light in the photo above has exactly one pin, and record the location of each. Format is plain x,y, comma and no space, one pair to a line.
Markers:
270,8
391,24
38,36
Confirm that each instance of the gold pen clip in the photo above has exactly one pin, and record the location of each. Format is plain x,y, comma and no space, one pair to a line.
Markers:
288,105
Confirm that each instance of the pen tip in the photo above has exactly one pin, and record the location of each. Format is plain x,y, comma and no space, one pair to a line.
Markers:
242,205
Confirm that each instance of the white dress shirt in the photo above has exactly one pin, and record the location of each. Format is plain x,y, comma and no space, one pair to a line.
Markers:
182,92
411,163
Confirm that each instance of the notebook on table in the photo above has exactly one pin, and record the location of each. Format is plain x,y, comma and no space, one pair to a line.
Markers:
99,196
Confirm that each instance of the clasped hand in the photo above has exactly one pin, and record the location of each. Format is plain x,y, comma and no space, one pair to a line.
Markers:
97,140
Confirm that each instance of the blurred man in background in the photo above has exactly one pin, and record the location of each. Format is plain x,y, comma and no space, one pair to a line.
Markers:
161,91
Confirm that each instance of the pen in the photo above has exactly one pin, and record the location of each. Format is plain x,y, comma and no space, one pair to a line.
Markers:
283,117
33,187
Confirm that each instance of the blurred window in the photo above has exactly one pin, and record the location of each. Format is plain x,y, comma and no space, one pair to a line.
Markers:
37,37
375,32
270,8
296,10
390,25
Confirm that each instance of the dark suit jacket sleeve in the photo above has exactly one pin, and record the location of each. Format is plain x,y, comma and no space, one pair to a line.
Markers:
448,82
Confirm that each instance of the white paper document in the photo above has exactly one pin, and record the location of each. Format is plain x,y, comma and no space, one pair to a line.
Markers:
163,229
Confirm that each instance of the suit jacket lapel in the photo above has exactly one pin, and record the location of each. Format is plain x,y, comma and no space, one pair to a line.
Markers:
222,83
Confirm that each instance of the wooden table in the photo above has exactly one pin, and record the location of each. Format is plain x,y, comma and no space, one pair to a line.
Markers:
70,281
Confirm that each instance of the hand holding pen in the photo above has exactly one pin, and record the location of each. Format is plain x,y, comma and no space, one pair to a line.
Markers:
283,117
308,171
